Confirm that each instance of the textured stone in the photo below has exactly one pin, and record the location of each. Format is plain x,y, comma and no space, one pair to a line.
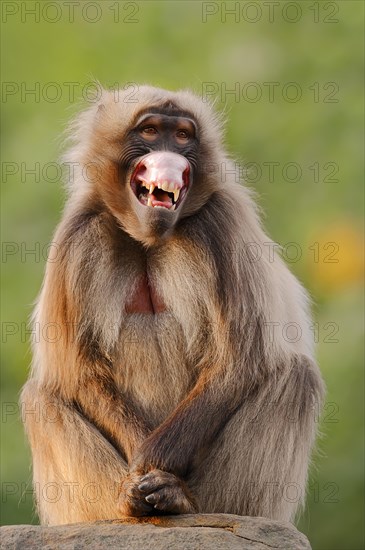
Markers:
189,532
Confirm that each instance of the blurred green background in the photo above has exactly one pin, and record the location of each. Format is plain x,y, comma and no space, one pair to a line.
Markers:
295,120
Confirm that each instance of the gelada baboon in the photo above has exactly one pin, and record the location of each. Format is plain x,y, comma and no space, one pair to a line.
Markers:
165,378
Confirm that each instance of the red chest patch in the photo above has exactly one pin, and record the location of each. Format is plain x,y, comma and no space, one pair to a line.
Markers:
145,298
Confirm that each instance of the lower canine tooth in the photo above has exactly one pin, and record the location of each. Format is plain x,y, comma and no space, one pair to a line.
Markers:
149,202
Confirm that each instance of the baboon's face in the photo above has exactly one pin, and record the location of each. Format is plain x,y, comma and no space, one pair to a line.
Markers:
160,161
154,159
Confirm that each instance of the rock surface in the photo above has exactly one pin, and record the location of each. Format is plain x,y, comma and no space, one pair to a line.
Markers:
189,532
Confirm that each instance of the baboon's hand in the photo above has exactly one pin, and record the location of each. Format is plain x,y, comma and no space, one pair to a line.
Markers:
155,493
132,501
167,493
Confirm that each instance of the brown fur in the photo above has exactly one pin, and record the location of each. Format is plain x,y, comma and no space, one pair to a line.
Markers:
200,395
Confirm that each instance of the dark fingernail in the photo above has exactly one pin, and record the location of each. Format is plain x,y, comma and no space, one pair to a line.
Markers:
143,486
144,477
151,498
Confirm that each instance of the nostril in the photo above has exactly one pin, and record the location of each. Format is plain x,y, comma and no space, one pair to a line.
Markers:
140,171
138,177
186,175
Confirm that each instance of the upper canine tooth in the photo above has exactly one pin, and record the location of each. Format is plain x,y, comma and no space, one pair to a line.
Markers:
151,188
176,194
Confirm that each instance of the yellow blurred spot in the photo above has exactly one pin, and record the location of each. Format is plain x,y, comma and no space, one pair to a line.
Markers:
336,257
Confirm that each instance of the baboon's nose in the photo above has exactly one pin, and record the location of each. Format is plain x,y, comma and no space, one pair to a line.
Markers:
165,170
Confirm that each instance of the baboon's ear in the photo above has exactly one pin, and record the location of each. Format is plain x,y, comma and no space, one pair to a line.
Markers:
100,109
102,98
97,96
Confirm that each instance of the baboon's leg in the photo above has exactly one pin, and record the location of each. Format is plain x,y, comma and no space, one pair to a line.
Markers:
76,471
258,464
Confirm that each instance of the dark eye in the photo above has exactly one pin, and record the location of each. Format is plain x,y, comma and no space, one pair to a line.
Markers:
182,135
149,131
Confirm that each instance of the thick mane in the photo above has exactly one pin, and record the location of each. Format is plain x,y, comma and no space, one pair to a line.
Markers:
173,364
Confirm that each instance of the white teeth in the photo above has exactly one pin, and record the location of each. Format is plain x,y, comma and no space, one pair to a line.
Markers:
169,187
165,186
176,194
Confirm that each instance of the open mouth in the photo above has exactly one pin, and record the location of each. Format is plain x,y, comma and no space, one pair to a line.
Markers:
164,195
161,180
